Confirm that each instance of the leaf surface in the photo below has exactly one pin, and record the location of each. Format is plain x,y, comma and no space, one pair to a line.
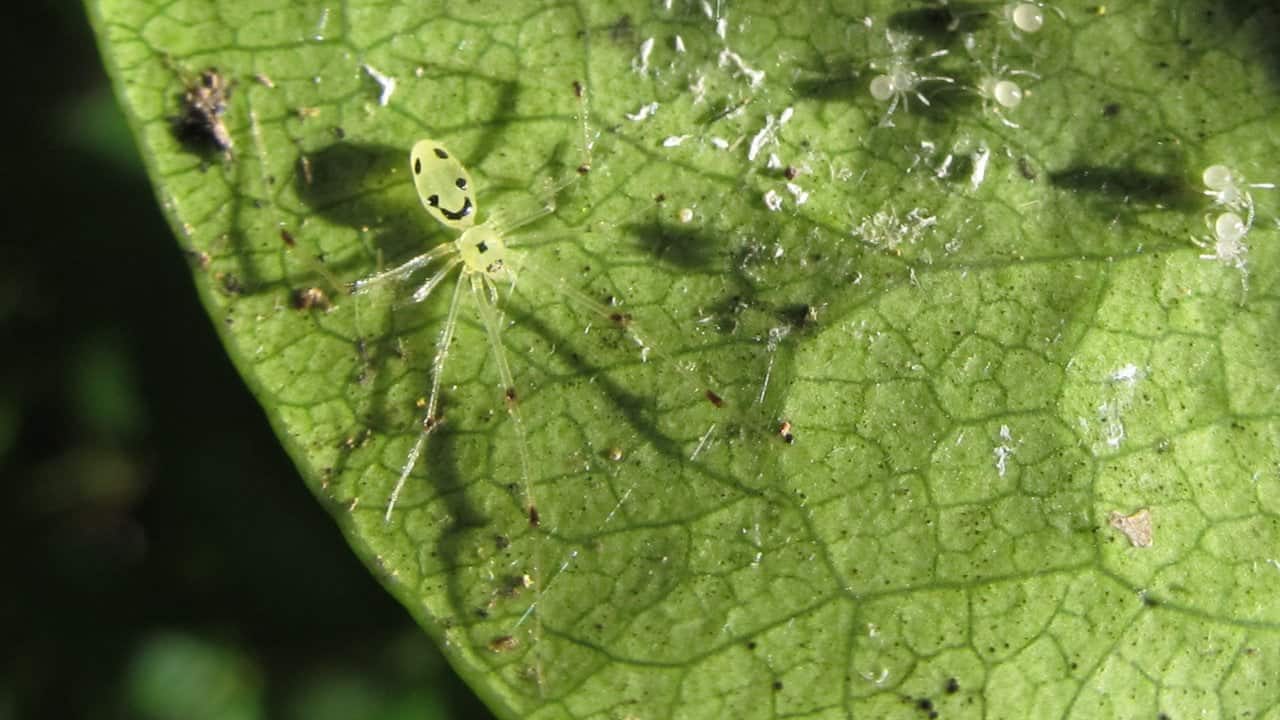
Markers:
1033,467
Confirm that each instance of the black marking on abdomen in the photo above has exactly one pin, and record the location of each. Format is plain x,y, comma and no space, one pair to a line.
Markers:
462,212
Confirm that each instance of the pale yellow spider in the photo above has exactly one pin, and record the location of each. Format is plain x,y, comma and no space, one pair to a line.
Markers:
480,251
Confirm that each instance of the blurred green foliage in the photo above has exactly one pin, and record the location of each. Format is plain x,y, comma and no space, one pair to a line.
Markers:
165,561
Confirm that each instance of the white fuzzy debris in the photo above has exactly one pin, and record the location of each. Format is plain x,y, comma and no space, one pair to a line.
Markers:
1127,374
706,10
679,44
666,5
774,162
699,89
1117,398
980,160
765,135
786,115
641,63
729,57
674,140
1004,450
722,27
797,192
887,231
773,201
719,143
1112,424
386,82
645,112
945,168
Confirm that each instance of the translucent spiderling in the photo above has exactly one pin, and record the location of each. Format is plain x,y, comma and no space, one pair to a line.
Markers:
900,77
1027,17
1229,189
1226,241
996,84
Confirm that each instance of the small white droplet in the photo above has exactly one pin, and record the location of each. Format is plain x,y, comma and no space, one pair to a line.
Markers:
1007,93
882,88
1229,227
685,215
1028,17
1218,177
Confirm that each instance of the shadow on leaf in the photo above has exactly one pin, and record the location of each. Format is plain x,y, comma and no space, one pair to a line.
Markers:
1122,187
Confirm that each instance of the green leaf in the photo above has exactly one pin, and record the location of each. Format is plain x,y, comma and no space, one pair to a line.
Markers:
998,351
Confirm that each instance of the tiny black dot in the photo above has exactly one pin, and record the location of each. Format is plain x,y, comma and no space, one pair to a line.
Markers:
417,166
482,248
440,153
433,200
461,183
952,686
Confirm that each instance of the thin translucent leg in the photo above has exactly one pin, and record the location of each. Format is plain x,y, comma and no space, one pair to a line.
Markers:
429,422
507,227
588,303
404,270
485,292
423,292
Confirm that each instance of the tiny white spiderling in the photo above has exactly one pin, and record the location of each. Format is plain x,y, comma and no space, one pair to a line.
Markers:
899,78
1229,189
996,87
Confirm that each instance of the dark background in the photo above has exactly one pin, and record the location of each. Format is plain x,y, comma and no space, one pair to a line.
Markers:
162,558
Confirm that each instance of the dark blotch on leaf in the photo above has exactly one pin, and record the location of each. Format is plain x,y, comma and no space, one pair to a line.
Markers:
684,247
1125,185
622,29
942,23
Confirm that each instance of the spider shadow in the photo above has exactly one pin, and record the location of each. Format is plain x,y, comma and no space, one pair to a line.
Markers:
1124,190
633,406
943,24
687,248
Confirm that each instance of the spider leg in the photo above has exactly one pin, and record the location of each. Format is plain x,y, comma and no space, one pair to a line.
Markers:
485,294
404,270
429,422
423,292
